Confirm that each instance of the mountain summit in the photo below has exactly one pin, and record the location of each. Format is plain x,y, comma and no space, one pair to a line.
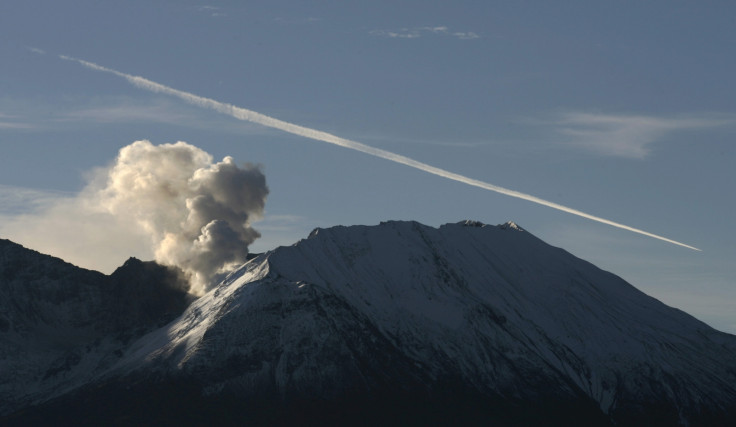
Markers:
402,322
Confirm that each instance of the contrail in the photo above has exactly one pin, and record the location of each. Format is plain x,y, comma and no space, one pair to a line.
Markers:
262,119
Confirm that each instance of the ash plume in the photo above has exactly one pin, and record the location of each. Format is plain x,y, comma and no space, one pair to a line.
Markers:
171,202
197,212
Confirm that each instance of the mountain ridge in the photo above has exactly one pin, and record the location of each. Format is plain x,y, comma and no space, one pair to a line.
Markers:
59,322
505,320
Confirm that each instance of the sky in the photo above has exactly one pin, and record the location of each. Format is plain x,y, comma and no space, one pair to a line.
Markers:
623,110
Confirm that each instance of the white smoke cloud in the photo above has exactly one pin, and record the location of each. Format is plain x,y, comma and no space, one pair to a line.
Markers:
264,120
170,199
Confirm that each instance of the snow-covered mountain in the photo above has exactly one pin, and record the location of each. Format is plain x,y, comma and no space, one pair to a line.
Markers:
398,322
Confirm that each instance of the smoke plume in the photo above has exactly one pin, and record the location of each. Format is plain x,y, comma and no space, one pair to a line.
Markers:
197,212
171,199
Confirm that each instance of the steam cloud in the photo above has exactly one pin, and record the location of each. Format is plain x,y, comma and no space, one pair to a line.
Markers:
262,119
195,212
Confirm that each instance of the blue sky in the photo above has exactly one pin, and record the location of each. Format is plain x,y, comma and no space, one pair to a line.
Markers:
625,110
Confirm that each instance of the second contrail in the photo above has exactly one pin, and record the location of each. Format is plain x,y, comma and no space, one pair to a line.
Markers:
262,119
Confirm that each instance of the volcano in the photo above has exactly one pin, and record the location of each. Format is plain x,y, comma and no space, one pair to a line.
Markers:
398,323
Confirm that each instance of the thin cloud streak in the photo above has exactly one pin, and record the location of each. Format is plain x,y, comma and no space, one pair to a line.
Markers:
417,32
15,126
36,50
126,113
214,11
628,136
262,119
12,122
33,116
18,200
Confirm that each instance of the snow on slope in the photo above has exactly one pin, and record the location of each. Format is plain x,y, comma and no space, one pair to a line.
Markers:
354,308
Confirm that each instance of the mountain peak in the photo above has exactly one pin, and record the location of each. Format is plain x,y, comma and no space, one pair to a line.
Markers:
505,226
510,225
